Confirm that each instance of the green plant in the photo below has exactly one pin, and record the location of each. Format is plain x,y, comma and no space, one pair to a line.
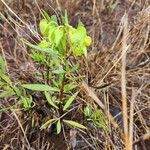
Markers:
96,116
60,43
8,89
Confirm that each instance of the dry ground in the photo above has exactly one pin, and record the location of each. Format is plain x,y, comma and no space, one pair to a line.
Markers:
120,32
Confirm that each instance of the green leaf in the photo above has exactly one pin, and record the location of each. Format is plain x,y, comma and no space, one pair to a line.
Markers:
58,126
63,43
51,121
47,50
96,116
43,44
18,91
69,87
27,102
55,83
46,16
7,93
71,30
85,51
54,18
49,99
87,111
2,65
51,34
80,23
70,100
78,51
44,27
2,84
60,70
53,23
6,78
56,61
38,56
78,36
33,122
72,69
75,124
66,18
58,35
87,41
40,87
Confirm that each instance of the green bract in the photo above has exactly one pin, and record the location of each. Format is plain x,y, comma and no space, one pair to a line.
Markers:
64,36
77,36
87,41
79,40
44,27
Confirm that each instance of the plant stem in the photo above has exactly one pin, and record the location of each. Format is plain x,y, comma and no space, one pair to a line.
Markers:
61,94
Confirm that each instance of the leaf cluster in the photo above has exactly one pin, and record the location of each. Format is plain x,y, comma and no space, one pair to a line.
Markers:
7,88
96,116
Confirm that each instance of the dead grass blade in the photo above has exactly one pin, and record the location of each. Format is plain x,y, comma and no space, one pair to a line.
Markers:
21,128
131,119
123,83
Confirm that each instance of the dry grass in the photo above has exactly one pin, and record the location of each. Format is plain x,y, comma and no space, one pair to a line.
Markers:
123,82
117,72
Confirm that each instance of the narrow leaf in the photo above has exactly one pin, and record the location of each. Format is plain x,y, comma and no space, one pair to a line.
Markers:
69,87
2,65
6,78
66,18
87,111
49,99
46,16
40,87
73,68
69,102
47,50
58,126
60,70
6,93
33,122
54,18
47,123
75,124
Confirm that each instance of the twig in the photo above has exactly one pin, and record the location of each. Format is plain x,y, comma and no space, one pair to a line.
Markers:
123,83
21,128
61,94
58,4
131,119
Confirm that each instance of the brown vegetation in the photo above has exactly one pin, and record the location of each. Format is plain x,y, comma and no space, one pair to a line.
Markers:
117,74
